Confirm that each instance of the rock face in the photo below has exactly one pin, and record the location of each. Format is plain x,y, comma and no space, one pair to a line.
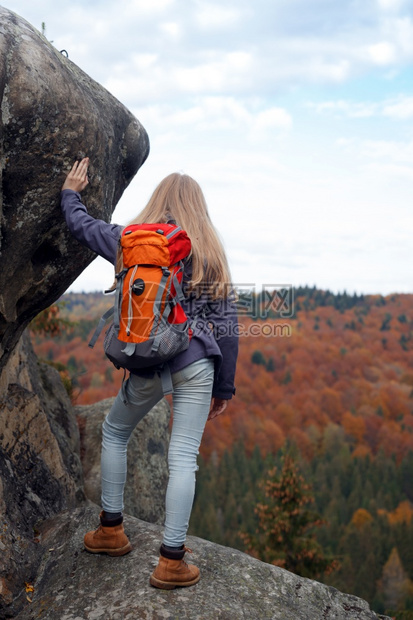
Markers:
41,471
51,113
147,465
74,585
40,468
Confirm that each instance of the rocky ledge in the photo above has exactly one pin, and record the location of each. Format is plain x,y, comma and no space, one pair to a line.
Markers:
72,584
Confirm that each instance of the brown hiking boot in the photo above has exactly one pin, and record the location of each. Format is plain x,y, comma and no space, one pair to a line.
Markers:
108,538
173,571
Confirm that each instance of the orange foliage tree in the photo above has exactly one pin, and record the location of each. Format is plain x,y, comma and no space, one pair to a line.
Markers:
285,536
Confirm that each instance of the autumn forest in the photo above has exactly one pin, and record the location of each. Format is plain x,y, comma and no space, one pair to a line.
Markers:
330,386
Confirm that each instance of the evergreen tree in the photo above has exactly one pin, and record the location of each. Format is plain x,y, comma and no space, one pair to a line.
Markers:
258,358
285,536
270,365
395,585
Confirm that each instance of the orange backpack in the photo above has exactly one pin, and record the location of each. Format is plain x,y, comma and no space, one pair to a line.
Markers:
149,325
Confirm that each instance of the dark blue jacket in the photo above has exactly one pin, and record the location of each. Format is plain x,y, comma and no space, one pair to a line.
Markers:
216,336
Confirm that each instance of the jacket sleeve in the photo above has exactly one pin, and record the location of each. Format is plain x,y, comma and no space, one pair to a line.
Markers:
95,234
217,323
222,316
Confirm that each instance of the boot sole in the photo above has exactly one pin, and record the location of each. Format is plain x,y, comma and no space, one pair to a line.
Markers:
170,585
112,552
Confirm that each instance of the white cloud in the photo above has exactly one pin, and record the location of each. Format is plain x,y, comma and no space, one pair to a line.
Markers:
390,151
403,37
382,53
217,16
381,161
402,109
391,5
172,29
273,118
346,108
141,62
391,171
328,71
345,143
132,8
224,115
216,75
398,108
150,77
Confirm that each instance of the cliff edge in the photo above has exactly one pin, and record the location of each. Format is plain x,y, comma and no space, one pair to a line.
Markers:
72,584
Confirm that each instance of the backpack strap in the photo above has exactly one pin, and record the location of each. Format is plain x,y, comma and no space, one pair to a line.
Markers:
166,382
100,326
123,389
118,298
129,348
130,315
179,294
113,311
173,232
166,379
158,300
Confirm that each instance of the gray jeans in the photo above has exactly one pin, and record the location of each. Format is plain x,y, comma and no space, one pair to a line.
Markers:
191,403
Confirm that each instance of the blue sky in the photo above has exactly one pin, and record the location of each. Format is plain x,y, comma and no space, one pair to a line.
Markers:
294,115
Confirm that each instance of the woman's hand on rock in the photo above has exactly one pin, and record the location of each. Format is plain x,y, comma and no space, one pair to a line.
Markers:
77,177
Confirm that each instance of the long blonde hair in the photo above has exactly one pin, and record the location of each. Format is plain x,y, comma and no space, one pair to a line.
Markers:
179,198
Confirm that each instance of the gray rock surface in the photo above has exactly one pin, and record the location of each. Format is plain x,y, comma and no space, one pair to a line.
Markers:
41,472
74,585
147,459
51,113
40,468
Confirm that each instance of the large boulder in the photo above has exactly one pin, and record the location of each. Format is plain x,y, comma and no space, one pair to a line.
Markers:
75,585
51,113
147,476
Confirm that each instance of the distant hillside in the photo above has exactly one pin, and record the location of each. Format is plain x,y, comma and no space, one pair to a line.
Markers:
341,359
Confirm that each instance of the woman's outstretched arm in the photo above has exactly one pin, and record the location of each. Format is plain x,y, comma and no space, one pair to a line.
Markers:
95,234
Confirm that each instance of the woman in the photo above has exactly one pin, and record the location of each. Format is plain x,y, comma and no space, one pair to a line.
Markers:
202,376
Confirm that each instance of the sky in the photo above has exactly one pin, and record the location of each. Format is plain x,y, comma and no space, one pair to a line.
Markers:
295,116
